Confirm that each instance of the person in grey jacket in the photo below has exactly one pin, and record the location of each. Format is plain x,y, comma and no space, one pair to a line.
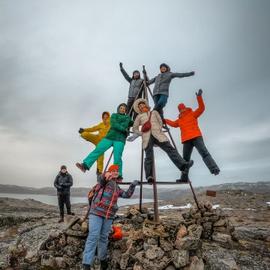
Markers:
135,85
63,182
162,83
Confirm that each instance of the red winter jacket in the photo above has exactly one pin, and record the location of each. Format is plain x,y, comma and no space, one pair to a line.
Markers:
187,121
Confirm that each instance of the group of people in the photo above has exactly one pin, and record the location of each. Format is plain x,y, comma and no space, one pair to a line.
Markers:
113,132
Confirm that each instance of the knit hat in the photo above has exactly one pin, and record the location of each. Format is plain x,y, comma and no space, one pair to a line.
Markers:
165,65
181,107
137,102
113,167
63,167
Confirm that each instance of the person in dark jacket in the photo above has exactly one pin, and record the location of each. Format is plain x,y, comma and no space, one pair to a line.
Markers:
102,212
135,87
63,182
116,138
162,83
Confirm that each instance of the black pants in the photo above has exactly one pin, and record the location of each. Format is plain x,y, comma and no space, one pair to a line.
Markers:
64,199
130,103
198,143
173,154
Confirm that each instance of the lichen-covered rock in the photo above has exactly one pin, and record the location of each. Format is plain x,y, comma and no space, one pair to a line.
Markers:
180,258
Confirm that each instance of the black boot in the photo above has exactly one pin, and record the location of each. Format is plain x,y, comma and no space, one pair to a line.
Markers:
184,178
150,179
211,165
186,166
103,264
86,267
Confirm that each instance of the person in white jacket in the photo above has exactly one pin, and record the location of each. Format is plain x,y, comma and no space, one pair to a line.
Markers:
152,134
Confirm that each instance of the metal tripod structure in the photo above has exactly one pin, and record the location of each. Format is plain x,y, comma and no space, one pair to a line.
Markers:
144,93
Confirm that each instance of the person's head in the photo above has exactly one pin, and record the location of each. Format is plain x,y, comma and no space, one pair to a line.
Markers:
114,170
182,107
63,169
164,68
105,117
122,108
143,107
136,75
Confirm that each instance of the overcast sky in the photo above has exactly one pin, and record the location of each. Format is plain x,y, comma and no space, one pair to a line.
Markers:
59,70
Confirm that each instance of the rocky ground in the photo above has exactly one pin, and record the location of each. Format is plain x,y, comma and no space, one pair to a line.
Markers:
238,237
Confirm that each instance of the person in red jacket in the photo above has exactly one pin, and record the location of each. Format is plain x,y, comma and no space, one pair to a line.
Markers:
191,135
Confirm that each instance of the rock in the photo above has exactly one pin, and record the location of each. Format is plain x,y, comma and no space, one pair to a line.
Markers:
74,241
60,262
223,239
251,233
137,267
166,245
220,223
154,252
182,232
76,227
48,260
218,258
195,230
180,258
188,243
207,230
124,261
195,264
84,227
170,267
81,234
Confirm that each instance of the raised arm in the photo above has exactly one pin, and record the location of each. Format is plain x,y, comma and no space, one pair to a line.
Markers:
128,193
126,76
182,75
171,123
151,81
201,106
93,129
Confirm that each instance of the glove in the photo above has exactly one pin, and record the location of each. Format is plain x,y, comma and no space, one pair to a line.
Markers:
192,73
135,183
81,130
121,65
199,93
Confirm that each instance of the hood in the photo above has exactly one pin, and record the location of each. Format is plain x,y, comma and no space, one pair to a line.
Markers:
136,104
106,113
182,106
122,104
165,65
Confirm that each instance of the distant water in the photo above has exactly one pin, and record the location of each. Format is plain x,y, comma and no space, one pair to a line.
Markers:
50,199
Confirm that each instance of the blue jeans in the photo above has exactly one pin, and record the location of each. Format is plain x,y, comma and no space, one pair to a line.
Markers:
160,102
99,229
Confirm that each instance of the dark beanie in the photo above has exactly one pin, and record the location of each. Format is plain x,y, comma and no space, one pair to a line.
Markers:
63,167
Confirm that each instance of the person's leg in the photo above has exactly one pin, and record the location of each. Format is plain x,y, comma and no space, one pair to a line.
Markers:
187,151
61,206
129,105
118,148
101,148
160,103
100,162
95,225
172,153
67,202
88,136
207,158
103,239
148,161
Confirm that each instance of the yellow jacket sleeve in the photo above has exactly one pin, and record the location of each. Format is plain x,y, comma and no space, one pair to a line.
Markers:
94,128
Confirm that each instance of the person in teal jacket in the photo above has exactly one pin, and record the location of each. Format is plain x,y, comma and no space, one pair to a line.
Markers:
116,138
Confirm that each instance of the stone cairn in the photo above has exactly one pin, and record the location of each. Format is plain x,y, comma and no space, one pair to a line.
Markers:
200,239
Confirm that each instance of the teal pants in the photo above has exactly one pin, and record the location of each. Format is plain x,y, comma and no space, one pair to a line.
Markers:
101,148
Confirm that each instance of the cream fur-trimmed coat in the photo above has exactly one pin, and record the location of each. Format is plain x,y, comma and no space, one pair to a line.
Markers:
156,125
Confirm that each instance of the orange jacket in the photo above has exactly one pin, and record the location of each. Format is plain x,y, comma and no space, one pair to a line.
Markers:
187,121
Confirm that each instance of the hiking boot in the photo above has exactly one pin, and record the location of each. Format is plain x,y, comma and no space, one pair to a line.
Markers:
103,264
81,167
215,171
86,267
184,178
187,166
61,220
150,179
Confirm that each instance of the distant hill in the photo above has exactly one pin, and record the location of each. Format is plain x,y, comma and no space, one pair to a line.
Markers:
163,192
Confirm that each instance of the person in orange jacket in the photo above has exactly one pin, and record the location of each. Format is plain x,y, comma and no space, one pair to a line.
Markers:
100,131
191,135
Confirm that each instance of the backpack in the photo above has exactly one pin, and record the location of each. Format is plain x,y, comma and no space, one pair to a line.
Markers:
147,125
94,191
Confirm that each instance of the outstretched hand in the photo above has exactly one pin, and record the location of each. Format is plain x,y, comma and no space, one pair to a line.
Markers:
81,130
199,93
121,65
192,73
